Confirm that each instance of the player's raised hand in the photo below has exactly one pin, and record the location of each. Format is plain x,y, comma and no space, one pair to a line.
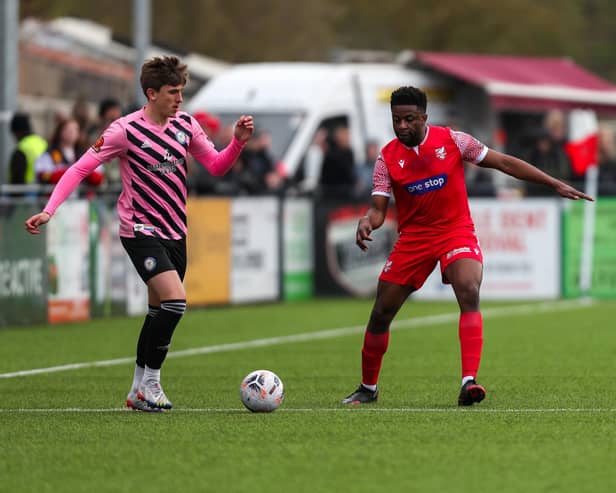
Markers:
364,229
35,221
569,192
244,128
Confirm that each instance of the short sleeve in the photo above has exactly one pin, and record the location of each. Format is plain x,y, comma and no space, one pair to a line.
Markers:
111,144
471,149
381,182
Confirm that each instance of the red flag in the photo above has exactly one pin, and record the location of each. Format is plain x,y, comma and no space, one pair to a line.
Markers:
583,145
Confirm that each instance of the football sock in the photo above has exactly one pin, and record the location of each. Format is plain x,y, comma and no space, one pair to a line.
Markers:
161,331
470,331
375,346
150,374
144,335
137,377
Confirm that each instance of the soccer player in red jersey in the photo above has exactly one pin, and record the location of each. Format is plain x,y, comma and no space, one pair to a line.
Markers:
424,169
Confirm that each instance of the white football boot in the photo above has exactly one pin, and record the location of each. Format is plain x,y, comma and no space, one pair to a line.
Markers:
133,402
153,395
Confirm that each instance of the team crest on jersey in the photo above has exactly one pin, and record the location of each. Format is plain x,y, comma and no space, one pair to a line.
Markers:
440,152
180,137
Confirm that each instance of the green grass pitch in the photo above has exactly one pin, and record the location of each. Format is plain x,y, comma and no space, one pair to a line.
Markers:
548,422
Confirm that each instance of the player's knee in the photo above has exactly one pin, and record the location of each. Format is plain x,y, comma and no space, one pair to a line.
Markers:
380,319
468,291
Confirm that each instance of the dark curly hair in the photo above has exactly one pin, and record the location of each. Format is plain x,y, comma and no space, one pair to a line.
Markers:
409,96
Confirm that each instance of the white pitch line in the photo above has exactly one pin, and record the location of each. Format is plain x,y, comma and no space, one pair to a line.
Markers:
413,410
319,335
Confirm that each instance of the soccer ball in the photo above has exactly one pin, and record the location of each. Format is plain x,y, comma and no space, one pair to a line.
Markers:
262,391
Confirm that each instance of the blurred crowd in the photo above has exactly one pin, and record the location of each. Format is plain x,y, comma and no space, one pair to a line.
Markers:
43,160
254,173
330,169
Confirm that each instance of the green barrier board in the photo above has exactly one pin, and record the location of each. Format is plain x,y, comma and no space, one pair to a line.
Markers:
604,249
23,269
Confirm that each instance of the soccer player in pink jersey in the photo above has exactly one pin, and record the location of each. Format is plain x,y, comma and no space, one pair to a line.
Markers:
424,169
152,146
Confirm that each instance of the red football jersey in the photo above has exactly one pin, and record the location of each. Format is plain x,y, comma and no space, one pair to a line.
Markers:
428,180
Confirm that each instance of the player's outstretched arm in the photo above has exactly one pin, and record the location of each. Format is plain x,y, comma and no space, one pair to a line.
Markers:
69,182
219,163
522,170
374,219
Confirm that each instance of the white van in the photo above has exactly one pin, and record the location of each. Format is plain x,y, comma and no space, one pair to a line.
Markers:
294,100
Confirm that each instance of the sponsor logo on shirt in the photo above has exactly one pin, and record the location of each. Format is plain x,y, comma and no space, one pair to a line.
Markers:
440,152
96,147
169,165
164,168
426,185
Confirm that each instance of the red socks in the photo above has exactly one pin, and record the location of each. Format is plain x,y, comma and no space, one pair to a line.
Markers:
372,353
470,330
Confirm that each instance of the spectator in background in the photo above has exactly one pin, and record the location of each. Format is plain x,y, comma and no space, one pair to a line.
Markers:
337,178
260,163
239,181
64,149
109,110
548,155
81,114
199,180
366,169
310,172
29,148
555,123
211,125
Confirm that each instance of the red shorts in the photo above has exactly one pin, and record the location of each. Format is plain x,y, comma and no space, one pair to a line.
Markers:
413,258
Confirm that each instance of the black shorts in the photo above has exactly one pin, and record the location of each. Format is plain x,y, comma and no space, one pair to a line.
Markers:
151,256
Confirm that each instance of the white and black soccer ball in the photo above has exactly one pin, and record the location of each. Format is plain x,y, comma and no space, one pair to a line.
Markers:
262,391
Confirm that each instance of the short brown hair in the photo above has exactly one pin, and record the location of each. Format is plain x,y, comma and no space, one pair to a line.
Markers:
159,71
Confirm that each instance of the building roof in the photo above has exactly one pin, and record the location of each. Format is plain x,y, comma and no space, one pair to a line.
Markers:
526,83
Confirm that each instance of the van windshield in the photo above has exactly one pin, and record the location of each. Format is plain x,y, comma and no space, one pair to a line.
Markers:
281,126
